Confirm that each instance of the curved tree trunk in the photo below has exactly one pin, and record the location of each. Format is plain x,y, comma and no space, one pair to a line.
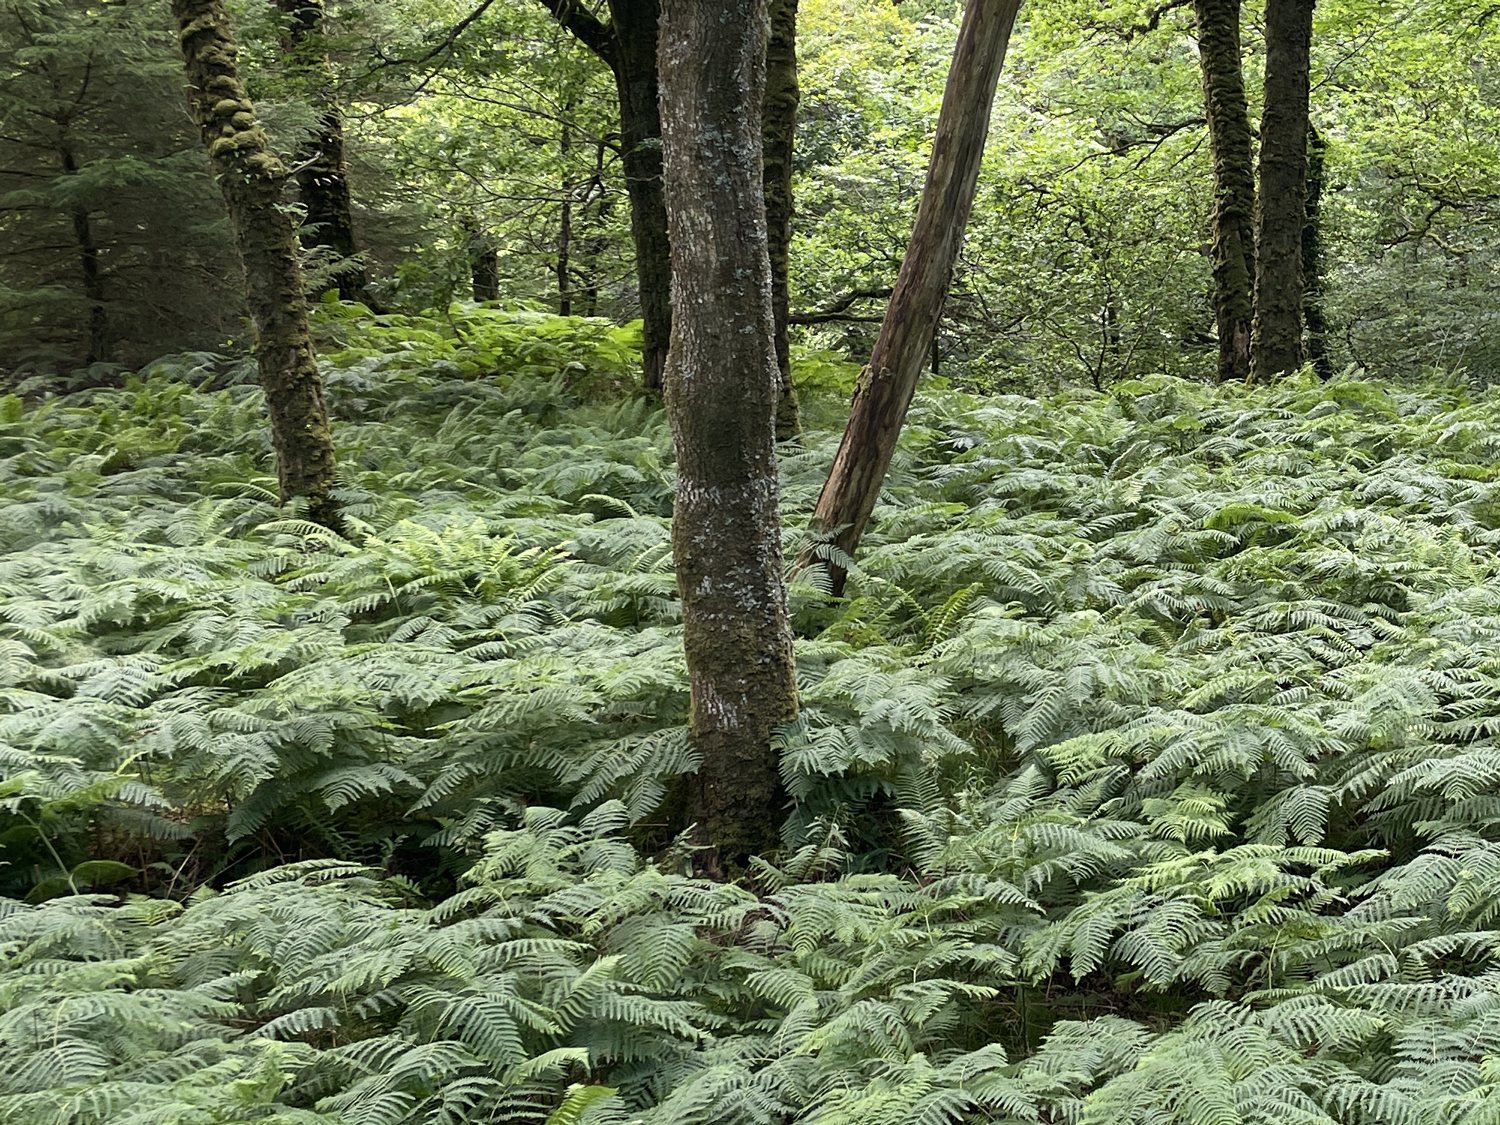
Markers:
1229,137
885,388
1276,340
1312,258
721,391
323,176
251,179
778,136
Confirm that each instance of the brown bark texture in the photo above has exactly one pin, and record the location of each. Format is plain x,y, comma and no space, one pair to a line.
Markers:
886,385
627,44
721,390
1312,257
251,178
1228,113
778,136
323,176
1276,339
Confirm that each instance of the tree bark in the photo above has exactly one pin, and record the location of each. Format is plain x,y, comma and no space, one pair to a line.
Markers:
1312,258
565,229
251,177
1228,114
886,385
89,268
323,178
778,136
1276,339
721,391
627,45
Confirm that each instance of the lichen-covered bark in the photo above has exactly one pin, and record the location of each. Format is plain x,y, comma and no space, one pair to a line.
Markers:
885,387
721,390
323,178
1312,257
1228,114
778,135
251,177
1276,339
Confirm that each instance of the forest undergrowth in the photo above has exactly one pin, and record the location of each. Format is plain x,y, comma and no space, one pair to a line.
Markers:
1146,775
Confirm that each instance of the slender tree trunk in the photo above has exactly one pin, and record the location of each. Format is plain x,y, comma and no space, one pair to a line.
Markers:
886,385
1228,114
1276,340
721,392
251,179
1312,258
484,260
323,178
627,45
89,268
778,135
565,230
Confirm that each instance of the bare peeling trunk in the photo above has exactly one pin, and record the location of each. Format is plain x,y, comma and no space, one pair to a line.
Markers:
323,176
1228,114
721,391
1276,341
886,386
251,177
778,134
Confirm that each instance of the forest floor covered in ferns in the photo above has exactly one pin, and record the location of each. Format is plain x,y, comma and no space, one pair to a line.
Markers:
1147,774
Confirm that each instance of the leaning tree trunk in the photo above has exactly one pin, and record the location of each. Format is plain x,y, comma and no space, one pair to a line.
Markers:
323,175
250,177
1276,341
886,385
1229,137
721,391
1312,258
778,133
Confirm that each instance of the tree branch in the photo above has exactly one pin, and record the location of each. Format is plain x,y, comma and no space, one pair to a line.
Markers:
585,26
838,308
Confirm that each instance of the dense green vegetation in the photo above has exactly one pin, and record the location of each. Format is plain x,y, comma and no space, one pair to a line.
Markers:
1144,775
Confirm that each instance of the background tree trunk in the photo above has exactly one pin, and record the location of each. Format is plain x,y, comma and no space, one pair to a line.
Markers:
885,387
1312,258
721,392
778,136
1276,341
89,267
1229,137
251,179
627,45
323,176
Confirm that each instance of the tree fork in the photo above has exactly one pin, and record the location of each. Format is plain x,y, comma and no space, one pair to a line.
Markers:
886,385
251,179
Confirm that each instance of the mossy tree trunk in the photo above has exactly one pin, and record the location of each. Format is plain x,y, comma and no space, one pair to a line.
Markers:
323,174
778,135
1312,257
885,387
721,391
627,44
1281,211
1228,114
251,178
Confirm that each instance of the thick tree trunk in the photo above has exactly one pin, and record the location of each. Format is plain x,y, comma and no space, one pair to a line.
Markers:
1229,137
323,178
778,135
1312,258
1276,340
885,387
627,45
251,179
89,269
721,391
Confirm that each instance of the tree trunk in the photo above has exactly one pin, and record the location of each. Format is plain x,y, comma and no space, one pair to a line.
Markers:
1312,258
323,177
886,385
565,229
1229,137
88,264
721,391
778,135
1276,340
251,178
